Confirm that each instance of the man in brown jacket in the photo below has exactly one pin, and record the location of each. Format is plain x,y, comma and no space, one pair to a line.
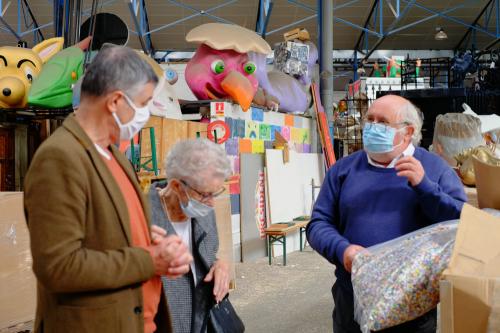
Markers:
96,266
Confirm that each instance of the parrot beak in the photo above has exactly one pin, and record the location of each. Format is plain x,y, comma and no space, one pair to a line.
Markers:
239,88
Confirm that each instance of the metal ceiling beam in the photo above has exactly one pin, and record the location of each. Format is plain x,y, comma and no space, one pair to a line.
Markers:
33,19
196,14
36,29
265,9
9,28
469,30
294,24
58,17
497,3
325,8
86,12
367,21
452,19
138,22
145,27
202,12
335,18
449,10
391,27
493,43
19,33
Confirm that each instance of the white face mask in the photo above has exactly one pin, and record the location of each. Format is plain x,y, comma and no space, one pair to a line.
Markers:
130,129
195,209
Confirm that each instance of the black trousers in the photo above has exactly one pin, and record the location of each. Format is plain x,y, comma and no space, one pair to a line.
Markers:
343,316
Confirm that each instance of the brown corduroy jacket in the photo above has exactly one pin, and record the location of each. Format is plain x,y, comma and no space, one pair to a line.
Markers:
89,274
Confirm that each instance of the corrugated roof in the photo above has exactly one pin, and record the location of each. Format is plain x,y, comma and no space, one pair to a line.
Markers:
244,12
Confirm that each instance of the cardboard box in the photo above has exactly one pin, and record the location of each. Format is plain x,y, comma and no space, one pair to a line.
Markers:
298,33
224,229
470,289
487,180
17,283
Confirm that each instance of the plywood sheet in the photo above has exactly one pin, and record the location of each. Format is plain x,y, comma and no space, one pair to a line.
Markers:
252,245
173,132
195,128
223,218
289,188
167,133
18,287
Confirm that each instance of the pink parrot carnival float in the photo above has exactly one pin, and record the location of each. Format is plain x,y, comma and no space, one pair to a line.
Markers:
220,68
230,63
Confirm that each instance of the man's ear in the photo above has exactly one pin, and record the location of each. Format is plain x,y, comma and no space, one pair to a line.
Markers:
409,131
112,101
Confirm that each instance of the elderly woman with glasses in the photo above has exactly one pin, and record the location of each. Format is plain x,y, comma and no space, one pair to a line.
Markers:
184,206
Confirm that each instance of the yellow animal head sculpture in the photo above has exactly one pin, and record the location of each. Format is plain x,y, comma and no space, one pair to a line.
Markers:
18,68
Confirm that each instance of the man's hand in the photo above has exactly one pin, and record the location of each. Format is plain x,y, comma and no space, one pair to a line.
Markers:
219,273
171,257
410,168
349,254
157,234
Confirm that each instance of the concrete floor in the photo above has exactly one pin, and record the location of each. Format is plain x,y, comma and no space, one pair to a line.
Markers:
292,298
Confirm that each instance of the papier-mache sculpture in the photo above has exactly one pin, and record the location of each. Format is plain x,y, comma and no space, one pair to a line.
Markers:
165,102
54,86
19,67
221,67
292,93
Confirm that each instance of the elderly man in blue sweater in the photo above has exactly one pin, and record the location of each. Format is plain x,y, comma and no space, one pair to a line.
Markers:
389,189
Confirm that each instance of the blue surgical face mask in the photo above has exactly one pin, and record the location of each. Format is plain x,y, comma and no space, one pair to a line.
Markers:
195,208
379,138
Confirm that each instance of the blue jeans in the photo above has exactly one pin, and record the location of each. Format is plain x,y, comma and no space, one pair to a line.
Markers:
343,316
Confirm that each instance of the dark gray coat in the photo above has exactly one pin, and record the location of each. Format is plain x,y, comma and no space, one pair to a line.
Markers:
189,306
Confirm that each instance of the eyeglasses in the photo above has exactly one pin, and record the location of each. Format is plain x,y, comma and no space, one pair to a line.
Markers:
383,126
205,196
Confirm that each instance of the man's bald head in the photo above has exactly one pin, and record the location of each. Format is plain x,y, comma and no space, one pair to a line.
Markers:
396,109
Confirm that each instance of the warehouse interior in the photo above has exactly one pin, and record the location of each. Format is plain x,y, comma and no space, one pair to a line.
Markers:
292,93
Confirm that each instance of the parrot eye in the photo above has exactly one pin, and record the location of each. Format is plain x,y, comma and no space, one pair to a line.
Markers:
250,67
217,66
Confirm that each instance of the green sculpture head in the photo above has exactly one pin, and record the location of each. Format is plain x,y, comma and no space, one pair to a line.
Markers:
53,87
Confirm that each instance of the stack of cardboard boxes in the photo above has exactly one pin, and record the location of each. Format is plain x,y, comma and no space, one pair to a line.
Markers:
470,289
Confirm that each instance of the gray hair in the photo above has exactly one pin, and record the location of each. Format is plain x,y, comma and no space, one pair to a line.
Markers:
117,68
414,117
189,158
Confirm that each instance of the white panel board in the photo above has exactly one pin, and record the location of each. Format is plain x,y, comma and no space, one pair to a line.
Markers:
290,190
252,245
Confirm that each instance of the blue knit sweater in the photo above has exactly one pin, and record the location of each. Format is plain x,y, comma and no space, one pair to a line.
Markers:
365,205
